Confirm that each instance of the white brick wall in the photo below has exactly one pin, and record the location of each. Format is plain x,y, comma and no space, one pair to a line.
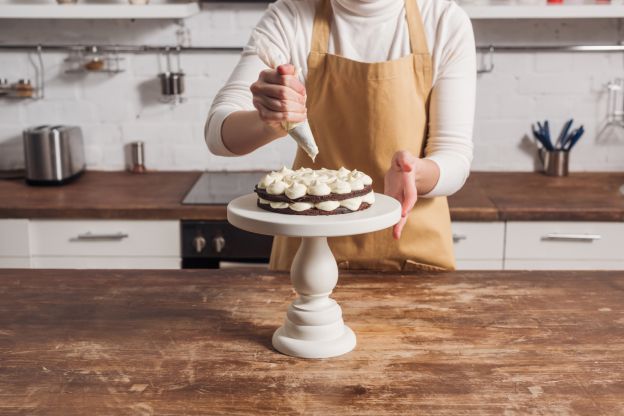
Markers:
116,109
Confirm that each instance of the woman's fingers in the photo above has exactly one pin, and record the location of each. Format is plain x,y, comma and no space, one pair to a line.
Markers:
268,115
279,92
398,228
281,105
410,193
271,76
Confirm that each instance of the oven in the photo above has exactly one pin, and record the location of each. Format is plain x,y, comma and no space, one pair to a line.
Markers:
215,244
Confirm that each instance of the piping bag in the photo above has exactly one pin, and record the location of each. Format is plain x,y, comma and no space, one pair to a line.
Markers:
273,58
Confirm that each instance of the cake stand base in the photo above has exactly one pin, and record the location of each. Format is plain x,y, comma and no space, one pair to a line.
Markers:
312,348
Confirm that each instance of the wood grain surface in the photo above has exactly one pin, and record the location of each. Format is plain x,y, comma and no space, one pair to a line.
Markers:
578,197
487,196
198,343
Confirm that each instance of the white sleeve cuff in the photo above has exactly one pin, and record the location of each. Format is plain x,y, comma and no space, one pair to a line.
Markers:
212,132
454,170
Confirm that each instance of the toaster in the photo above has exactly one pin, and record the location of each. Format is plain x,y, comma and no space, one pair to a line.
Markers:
53,155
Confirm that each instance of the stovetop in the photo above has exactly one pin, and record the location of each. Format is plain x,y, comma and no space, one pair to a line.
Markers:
215,188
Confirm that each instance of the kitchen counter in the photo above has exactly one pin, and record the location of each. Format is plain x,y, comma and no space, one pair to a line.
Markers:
198,342
158,195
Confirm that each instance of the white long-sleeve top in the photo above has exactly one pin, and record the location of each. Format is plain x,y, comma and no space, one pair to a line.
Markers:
373,31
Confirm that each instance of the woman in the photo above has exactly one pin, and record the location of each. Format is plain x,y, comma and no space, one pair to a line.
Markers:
389,90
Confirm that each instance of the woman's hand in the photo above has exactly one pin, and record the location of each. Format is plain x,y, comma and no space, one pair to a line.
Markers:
279,96
400,183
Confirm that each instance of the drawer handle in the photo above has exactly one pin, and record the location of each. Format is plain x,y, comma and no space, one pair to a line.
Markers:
101,237
572,237
458,237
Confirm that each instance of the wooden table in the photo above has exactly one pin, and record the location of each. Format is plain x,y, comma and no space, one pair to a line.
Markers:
198,343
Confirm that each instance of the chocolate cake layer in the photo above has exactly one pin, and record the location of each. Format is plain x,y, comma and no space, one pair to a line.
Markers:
262,193
312,211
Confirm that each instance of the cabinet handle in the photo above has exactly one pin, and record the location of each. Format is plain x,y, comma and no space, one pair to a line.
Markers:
101,237
459,237
572,237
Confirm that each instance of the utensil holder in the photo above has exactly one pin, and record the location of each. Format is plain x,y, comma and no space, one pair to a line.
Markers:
555,162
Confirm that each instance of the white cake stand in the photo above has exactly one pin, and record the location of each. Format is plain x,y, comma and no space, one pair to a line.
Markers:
314,327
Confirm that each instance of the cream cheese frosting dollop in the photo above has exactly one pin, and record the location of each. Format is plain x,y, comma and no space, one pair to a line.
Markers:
318,188
352,204
327,205
340,187
276,188
296,190
369,198
301,206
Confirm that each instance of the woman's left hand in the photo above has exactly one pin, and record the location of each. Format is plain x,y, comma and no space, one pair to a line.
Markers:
400,183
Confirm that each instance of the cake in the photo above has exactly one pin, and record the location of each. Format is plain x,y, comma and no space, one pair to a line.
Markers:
315,192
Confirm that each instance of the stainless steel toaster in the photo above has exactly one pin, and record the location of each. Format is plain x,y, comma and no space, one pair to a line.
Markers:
53,155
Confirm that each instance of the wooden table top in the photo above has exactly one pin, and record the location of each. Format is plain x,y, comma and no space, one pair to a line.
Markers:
198,343
485,197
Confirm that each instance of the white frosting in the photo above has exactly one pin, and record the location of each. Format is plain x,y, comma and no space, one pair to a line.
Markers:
327,205
263,201
301,206
276,188
369,198
278,205
356,184
322,182
366,180
352,204
340,187
266,181
296,190
318,188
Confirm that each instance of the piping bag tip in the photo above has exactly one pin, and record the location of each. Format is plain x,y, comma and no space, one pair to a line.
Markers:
302,134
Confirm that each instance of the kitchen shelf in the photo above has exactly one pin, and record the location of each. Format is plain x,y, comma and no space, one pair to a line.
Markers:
598,11
179,10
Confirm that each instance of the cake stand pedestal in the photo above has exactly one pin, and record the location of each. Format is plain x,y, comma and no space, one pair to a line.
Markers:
314,327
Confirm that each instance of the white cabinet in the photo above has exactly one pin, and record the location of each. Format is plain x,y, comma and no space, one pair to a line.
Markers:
564,245
479,245
14,244
86,244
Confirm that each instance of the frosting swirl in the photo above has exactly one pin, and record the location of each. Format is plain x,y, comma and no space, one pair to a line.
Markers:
318,188
340,187
296,190
276,188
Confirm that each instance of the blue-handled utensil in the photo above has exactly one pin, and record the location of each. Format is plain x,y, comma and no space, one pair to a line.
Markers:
563,136
544,136
540,138
575,137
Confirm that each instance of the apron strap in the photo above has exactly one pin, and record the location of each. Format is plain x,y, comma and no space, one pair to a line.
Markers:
418,39
320,30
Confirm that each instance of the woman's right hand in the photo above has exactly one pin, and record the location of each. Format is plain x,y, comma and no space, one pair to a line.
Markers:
279,96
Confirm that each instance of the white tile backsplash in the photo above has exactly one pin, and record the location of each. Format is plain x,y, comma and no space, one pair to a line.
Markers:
116,109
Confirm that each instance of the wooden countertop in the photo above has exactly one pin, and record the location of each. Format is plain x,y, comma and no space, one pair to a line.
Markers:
485,197
198,342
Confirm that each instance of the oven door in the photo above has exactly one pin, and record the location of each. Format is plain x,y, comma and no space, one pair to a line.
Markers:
214,244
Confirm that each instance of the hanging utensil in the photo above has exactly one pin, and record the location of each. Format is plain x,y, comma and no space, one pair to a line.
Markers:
172,82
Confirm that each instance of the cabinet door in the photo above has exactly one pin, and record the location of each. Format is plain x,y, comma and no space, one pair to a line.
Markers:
105,238
564,245
479,245
14,238
14,246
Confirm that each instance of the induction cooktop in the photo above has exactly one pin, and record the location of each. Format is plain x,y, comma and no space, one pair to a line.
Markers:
217,188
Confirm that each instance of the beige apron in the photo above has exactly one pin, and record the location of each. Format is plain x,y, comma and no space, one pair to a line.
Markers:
361,114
